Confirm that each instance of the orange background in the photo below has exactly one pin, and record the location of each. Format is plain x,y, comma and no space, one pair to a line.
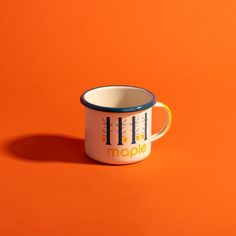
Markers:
51,51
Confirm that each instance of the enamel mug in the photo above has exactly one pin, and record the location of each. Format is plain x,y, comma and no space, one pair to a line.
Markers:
118,123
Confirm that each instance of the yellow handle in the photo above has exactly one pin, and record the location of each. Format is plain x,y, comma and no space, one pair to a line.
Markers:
168,122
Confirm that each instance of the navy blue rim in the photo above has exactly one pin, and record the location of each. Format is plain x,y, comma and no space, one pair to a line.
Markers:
118,109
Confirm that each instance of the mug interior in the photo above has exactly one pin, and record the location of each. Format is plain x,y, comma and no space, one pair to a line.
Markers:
118,96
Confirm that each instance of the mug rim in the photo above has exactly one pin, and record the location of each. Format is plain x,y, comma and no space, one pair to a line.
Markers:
118,109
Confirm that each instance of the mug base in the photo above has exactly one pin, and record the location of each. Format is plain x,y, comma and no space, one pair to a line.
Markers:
115,162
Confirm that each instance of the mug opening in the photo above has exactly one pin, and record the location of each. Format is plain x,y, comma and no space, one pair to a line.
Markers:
118,98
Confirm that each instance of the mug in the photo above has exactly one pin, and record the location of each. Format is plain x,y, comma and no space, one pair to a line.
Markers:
118,123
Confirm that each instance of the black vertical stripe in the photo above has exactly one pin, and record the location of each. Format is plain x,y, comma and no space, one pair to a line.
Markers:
145,127
120,131
108,131
133,130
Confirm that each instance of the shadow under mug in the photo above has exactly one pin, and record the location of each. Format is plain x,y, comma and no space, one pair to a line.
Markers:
118,123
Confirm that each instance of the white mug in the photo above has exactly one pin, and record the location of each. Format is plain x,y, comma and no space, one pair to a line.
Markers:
118,123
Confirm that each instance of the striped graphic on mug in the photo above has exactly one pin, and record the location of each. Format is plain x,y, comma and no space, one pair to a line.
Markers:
133,130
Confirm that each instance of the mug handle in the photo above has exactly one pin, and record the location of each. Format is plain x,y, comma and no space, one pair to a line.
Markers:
168,122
